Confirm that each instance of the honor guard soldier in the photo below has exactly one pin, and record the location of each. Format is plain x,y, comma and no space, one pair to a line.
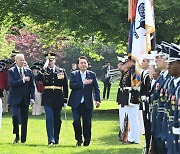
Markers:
129,97
162,65
54,96
123,133
173,139
144,99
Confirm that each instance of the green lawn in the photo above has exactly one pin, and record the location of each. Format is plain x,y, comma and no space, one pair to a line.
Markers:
105,127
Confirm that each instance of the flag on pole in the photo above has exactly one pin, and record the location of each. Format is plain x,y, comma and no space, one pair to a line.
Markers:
139,37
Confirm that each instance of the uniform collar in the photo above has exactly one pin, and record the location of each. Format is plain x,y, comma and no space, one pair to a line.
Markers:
52,68
176,81
165,74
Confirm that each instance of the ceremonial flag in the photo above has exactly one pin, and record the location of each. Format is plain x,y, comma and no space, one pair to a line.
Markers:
139,38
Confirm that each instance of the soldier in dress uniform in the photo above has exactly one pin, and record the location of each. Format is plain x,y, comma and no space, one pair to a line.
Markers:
106,79
144,97
162,65
54,96
122,103
129,97
173,139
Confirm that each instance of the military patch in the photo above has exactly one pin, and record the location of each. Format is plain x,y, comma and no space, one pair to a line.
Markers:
157,85
161,93
173,97
173,107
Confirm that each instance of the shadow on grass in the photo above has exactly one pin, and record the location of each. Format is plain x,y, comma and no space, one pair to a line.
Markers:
38,145
104,115
110,151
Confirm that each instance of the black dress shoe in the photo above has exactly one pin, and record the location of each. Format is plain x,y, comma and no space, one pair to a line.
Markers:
79,143
56,142
86,143
16,140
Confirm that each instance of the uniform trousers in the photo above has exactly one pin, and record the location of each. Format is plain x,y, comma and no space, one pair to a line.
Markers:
20,116
122,113
106,89
134,133
0,112
53,123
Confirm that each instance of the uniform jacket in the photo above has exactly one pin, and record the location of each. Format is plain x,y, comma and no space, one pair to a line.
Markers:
19,89
104,77
79,90
50,97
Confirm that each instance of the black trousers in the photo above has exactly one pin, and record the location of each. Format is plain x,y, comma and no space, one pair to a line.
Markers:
147,126
20,116
85,129
107,87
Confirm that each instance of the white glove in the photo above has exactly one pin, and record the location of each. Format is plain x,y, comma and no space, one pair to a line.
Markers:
46,63
143,98
65,104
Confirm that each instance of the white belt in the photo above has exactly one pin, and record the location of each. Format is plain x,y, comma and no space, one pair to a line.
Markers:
176,130
127,88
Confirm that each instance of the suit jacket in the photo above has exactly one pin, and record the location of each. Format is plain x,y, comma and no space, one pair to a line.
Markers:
19,89
79,90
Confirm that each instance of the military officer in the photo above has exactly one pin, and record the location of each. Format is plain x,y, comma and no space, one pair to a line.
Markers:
144,97
173,145
155,93
122,103
54,96
162,65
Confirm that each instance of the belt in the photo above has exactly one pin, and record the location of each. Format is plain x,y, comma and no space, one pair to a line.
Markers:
53,87
171,118
160,109
155,102
127,88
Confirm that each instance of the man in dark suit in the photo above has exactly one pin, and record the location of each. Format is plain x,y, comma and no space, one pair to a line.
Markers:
83,84
54,96
21,94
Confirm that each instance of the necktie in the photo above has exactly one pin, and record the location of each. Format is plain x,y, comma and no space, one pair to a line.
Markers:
83,78
20,71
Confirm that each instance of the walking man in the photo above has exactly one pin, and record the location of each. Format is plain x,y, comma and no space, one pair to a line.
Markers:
83,84
22,93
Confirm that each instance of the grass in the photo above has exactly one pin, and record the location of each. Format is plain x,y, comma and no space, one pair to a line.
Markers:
105,127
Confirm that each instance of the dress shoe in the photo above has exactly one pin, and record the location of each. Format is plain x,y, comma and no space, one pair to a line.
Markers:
56,142
16,140
79,143
86,143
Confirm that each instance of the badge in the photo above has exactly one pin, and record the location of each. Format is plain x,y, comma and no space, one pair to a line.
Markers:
173,97
173,107
157,85
60,75
166,93
161,93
